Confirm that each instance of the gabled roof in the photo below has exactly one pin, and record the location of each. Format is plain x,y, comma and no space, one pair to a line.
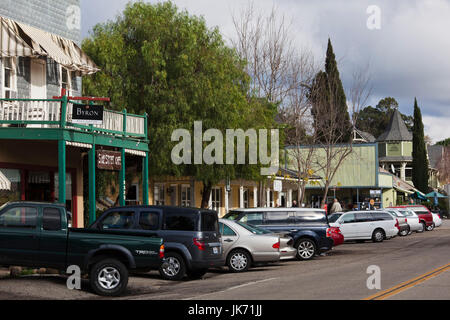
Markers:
365,136
396,130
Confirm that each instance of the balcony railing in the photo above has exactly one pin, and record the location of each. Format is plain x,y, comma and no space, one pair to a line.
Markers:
46,113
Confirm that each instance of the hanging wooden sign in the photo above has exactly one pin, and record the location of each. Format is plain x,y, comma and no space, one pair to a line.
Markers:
109,160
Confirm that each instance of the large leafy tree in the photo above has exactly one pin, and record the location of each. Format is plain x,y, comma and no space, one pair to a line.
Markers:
169,64
376,120
420,174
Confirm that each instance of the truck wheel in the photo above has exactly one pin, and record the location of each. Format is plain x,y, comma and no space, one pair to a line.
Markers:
196,274
174,269
404,232
306,249
108,277
430,228
424,226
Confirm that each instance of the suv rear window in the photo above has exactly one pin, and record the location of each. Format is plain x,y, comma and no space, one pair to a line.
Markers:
180,221
210,222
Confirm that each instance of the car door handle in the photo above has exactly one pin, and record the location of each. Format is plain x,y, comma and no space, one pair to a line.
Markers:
293,230
228,240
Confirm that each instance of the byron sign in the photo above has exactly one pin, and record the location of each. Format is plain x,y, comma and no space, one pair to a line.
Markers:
109,160
87,114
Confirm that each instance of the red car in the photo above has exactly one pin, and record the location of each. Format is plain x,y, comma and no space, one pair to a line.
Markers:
335,234
425,216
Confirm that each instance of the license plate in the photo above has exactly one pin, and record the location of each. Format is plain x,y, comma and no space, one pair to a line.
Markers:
215,250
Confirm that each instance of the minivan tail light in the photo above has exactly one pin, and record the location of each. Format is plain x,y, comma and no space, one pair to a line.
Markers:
161,251
276,245
200,244
397,225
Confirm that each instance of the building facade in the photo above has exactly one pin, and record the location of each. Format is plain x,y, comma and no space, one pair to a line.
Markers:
45,154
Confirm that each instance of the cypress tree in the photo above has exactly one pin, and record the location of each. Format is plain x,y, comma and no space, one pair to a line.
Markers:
420,173
335,94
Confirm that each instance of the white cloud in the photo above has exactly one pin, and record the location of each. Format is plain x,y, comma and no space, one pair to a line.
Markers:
437,128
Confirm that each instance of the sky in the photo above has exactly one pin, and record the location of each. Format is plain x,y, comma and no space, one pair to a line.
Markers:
405,43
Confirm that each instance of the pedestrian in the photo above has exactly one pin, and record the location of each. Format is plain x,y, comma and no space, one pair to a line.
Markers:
294,204
336,207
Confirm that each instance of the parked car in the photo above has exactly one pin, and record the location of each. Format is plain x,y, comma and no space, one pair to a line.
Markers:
243,245
307,227
335,234
404,228
287,251
411,218
37,235
191,236
437,220
425,216
366,225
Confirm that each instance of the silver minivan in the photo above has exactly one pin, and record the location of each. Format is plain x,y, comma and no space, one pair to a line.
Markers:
367,225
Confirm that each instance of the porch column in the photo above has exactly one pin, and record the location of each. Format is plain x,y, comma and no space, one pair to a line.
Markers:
122,180
92,200
241,197
278,204
145,195
403,171
268,198
225,193
62,172
255,197
289,198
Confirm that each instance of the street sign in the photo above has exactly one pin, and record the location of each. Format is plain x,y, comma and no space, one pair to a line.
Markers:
87,114
109,160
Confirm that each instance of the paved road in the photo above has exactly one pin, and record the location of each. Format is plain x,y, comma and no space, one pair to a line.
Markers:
341,274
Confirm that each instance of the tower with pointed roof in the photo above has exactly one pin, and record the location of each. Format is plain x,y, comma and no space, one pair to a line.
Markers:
395,148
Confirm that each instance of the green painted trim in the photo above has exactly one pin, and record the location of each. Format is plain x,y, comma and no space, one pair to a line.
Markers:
73,136
92,199
122,180
119,133
63,111
145,191
62,172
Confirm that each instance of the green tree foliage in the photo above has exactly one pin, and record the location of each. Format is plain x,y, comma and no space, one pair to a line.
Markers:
376,120
444,143
167,63
328,88
420,174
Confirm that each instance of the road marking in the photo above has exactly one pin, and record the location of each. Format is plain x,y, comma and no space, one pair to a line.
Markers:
408,284
232,288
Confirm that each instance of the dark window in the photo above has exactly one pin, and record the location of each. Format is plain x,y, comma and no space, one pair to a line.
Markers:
180,221
209,222
19,217
380,216
118,220
254,218
227,231
363,217
51,220
310,216
277,217
149,220
348,218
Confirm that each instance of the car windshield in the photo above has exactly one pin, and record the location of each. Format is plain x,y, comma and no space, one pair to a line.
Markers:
253,229
333,217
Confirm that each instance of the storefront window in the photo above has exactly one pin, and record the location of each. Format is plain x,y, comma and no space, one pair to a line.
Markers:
158,194
185,196
68,190
10,188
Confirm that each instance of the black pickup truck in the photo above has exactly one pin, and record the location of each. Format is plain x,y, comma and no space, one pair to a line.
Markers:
37,235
